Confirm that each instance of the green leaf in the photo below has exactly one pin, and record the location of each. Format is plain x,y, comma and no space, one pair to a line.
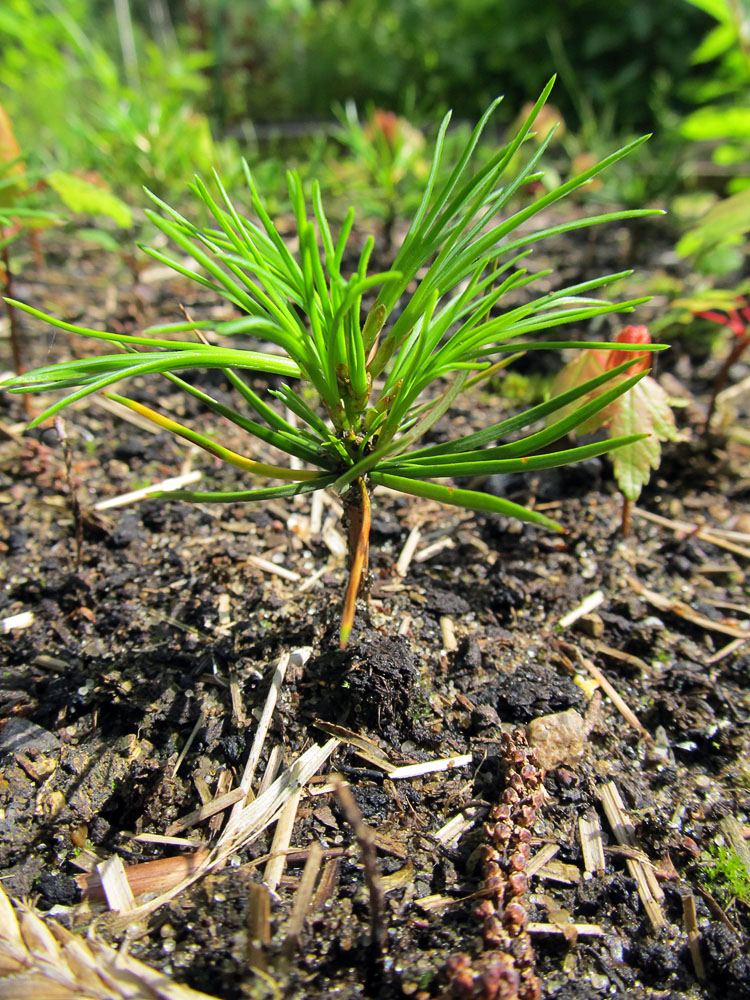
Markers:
644,410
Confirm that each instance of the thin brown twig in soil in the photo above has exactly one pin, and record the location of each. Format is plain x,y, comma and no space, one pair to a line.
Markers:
694,935
366,841
301,905
258,925
75,505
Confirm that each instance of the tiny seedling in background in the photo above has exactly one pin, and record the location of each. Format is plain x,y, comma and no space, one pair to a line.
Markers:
644,410
380,377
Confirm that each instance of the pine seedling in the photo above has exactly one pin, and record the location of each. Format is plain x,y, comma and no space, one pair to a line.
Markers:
381,377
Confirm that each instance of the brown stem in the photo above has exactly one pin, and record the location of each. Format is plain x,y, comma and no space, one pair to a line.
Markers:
357,505
625,521
741,344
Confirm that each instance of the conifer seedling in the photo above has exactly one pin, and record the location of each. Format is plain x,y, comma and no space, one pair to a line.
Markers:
381,377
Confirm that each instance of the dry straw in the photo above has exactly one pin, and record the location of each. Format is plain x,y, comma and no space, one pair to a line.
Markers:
40,960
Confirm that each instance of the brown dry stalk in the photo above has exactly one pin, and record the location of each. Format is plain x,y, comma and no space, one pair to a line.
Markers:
41,959
505,969
366,841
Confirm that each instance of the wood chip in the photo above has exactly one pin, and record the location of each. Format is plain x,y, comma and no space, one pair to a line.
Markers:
559,871
448,632
333,540
430,766
693,932
581,930
545,854
586,606
407,553
458,825
623,828
592,845
115,884
432,550
223,785
274,569
22,620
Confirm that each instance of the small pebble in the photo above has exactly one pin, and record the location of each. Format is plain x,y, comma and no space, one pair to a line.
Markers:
558,739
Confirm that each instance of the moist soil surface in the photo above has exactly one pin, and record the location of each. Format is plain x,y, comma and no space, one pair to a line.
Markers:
151,622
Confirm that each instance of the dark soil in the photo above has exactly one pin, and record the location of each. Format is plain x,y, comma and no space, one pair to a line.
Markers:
132,641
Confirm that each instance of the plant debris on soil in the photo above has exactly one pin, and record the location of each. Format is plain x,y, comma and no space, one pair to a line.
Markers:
139,643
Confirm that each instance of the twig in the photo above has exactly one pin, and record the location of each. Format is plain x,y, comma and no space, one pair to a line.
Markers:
258,925
587,605
678,607
235,693
300,656
407,552
148,876
582,930
275,570
189,742
541,858
693,933
617,700
301,904
720,537
430,766
366,840
281,839
207,810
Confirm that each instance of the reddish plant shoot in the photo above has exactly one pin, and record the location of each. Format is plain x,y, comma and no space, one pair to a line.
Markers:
738,321
644,409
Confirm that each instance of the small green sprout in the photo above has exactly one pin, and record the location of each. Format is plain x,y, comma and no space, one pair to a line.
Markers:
726,875
382,376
